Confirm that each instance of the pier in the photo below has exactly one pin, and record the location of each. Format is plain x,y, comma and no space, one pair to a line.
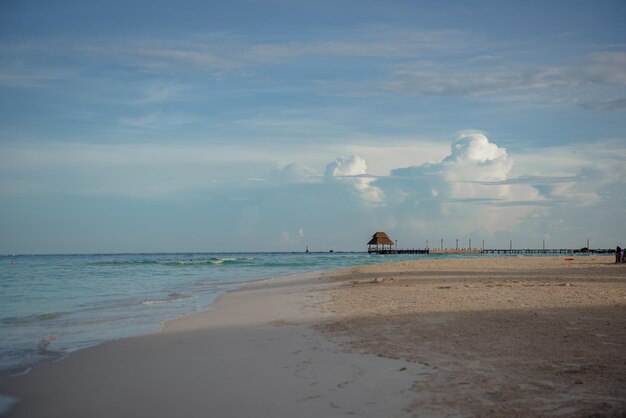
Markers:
394,251
549,251
523,251
382,244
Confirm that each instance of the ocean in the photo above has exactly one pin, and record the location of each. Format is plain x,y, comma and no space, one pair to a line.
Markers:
52,305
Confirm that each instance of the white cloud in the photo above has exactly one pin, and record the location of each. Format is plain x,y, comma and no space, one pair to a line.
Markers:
353,171
295,173
346,166
477,190
472,158
456,191
475,147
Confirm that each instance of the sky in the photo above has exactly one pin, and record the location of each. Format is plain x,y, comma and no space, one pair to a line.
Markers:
272,125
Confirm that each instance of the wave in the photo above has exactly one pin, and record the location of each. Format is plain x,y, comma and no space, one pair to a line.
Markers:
229,260
122,262
178,263
49,316
204,262
24,320
171,297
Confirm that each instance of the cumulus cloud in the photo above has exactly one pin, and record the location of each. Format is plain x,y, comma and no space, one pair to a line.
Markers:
467,188
352,171
346,166
472,158
294,173
475,147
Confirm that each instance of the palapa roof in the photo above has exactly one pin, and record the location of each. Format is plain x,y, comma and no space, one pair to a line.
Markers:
380,238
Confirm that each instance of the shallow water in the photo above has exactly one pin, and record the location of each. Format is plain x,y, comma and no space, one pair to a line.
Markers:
51,305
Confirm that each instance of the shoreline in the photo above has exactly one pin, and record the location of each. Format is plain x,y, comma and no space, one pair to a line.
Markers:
253,351
64,354
313,336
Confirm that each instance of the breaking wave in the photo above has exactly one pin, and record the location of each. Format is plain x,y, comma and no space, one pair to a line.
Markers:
123,262
171,297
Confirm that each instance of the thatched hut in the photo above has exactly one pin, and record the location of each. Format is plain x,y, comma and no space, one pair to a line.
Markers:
378,242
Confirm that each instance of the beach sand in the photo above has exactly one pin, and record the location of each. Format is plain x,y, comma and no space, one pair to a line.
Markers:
517,336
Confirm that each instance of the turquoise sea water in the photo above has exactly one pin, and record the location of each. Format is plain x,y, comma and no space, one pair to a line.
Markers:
51,305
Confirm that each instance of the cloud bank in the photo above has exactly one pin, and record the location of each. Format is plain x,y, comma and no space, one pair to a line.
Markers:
476,190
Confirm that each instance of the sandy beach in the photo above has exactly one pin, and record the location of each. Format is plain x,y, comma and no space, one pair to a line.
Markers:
517,336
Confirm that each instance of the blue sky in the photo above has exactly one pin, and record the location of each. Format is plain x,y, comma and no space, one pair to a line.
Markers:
271,125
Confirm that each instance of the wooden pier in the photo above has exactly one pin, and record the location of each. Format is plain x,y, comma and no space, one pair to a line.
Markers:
455,251
382,244
393,251
530,251
524,251
548,251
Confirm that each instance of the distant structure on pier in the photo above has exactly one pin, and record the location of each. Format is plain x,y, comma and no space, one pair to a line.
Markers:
378,242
